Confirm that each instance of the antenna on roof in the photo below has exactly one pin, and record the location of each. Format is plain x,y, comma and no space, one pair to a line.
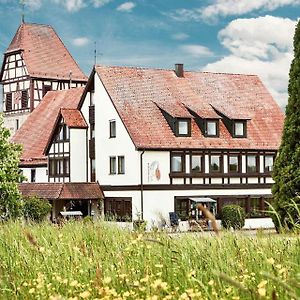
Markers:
95,54
22,2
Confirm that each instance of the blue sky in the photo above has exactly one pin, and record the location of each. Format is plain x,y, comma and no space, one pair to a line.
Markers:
236,36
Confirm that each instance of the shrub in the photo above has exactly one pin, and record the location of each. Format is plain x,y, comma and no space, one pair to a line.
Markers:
35,209
233,216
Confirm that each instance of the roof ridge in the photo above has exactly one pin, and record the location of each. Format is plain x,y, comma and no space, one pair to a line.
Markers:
167,69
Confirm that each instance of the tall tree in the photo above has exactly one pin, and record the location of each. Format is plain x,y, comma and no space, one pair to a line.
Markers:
10,175
287,165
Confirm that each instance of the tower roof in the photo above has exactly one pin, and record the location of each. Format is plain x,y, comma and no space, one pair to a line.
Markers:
44,53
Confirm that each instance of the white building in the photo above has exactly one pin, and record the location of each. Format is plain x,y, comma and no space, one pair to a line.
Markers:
153,139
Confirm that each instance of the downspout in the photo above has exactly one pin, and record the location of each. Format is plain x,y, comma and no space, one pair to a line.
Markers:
142,185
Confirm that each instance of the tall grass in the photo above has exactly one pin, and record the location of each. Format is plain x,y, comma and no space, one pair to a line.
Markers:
98,261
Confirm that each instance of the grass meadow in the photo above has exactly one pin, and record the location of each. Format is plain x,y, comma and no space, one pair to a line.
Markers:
98,261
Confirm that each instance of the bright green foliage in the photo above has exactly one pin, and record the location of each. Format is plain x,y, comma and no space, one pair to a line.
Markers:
9,175
233,216
35,209
287,165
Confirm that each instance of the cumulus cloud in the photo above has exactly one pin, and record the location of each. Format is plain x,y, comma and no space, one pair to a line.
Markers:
225,8
71,5
126,7
261,46
180,36
80,41
99,3
196,50
33,4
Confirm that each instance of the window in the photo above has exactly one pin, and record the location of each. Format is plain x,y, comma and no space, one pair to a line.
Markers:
46,89
112,165
239,129
32,175
24,99
8,102
177,162
269,163
112,128
212,128
252,165
215,163
118,209
121,165
17,124
183,127
93,170
233,164
182,209
196,163
59,167
64,133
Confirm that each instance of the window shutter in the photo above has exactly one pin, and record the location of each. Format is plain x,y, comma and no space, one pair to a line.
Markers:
9,102
24,99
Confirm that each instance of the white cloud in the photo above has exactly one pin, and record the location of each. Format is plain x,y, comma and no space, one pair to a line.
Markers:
261,46
196,50
99,3
224,8
71,5
126,7
80,41
33,4
180,36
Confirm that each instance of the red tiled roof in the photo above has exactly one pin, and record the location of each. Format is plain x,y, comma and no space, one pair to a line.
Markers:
134,92
44,53
73,118
35,132
53,191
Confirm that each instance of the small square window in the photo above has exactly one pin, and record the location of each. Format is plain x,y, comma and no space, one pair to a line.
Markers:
239,129
212,128
121,165
196,164
215,163
183,127
112,165
112,128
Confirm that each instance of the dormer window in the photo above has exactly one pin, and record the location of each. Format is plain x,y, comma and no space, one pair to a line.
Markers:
212,128
183,127
239,129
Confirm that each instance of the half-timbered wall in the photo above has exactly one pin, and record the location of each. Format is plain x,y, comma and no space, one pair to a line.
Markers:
59,156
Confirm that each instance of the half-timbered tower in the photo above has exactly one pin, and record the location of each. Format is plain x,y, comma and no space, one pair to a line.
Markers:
35,62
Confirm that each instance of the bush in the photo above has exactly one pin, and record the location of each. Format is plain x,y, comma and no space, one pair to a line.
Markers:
233,216
35,209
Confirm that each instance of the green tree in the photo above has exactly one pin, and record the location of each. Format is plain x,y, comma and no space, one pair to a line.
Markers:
36,209
287,165
10,204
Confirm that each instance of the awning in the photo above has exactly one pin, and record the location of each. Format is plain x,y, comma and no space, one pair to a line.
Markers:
203,200
71,213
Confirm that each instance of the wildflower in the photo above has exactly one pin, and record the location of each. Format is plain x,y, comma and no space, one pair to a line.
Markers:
211,282
85,294
228,290
159,266
74,283
126,294
107,280
159,284
184,296
262,284
235,298
42,249
191,274
278,266
136,283
122,276
283,270
58,278
31,291
271,261
262,291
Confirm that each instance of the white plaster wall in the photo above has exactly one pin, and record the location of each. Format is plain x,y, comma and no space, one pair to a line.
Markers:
10,121
78,155
40,175
105,147
156,167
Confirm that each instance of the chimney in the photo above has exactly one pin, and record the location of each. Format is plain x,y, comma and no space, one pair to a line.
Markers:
179,70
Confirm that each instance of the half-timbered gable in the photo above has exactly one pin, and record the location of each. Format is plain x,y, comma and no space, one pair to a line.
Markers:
35,62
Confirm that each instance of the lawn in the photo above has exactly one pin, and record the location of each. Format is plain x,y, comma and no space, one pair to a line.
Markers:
98,261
